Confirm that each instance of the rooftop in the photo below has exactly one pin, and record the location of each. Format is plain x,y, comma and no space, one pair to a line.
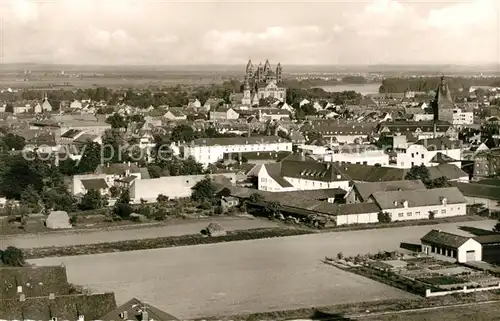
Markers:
443,238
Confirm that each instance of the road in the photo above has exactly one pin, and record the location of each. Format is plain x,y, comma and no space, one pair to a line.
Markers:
113,235
247,276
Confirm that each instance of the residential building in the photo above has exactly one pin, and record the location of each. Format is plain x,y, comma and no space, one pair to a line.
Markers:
81,184
89,127
211,150
174,114
461,248
118,171
137,310
428,152
461,117
223,114
421,129
362,191
266,114
340,131
293,175
487,163
194,103
421,204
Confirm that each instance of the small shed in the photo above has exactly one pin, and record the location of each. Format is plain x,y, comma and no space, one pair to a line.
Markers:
58,220
462,248
215,229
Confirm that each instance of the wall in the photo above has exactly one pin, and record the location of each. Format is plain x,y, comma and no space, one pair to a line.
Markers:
367,158
428,292
171,186
306,184
364,218
470,245
419,213
267,183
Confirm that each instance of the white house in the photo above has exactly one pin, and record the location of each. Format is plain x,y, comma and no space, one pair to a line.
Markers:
429,152
463,249
295,175
421,204
304,102
211,150
461,117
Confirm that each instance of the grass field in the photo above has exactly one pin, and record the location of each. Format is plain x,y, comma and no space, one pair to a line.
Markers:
247,276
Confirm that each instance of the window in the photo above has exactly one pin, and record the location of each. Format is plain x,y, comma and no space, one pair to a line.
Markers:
422,156
408,214
443,211
412,155
417,213
400,214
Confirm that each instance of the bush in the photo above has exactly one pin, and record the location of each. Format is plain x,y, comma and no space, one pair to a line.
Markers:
384,217
73,219
123,210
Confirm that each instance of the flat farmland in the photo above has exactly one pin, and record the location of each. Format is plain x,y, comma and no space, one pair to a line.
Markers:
247,276
177,228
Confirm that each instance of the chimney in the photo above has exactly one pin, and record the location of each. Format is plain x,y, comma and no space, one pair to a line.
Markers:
107,164
19,289
128,164
22,297
124,315
52,296
145,315
81,317
302,156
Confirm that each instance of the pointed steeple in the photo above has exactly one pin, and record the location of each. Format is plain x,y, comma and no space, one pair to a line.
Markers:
443,102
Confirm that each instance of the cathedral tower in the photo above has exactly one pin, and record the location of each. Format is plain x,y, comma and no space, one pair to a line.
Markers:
279,72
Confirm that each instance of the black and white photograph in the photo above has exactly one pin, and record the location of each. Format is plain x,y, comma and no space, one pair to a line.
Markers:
241,160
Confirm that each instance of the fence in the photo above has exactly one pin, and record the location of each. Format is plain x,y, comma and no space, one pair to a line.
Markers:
428,292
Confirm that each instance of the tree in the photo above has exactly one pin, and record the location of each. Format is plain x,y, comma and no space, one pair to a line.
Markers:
117,121
497,228
12,256
162,199
122,206
13,141
439,182
31,199
91,158
114,191
182,133
432,215
418,173
256,198
272,209
204,190
92,200
384,217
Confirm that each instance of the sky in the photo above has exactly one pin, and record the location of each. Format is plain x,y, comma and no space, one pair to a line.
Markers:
166,32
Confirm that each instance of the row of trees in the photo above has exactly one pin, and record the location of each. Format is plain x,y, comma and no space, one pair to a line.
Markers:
400,85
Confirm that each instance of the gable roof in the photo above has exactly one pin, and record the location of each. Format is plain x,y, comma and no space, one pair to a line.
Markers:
450,171
438,143
365,190
367,173
314,171
134,308
66,307
274,170
443,238
472,189
94,183
35,281
441,158
417,198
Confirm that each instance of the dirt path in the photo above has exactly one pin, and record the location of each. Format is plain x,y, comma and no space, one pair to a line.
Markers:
113,235
247,276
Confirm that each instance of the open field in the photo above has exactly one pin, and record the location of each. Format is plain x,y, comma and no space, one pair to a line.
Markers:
475,312
78,237
247,276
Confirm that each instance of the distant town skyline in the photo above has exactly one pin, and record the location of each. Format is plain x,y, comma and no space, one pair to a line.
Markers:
108,32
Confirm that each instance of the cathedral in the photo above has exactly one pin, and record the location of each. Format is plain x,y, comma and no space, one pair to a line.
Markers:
443,103
262,82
